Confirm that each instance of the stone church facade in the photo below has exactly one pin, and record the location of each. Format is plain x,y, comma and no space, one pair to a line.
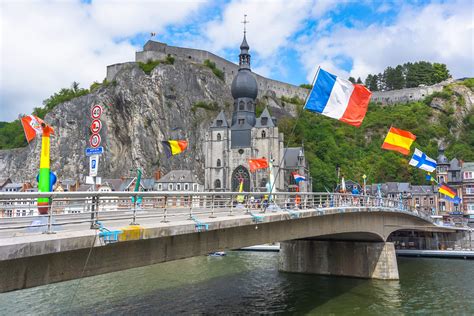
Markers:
231,143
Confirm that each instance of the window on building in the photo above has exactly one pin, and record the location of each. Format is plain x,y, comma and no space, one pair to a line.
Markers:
470,207
469,190
186,187
241,121
264,121
160,186
217,184
249,106
431,201
468,175
178,187
170,186
417,201
219,122
241,106
264,134
195,187
219,135
218,162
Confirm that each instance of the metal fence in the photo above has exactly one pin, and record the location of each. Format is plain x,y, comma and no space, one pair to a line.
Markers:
18,210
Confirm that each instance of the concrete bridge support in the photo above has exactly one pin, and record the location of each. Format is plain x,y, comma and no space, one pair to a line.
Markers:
376,260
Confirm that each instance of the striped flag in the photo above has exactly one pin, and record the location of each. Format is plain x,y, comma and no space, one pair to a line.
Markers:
422,161
398,140
298,177
174,147
446,190
338,98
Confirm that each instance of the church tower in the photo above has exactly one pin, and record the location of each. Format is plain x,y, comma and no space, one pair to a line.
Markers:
244,90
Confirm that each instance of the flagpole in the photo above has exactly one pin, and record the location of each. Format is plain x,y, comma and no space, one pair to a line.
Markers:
298,115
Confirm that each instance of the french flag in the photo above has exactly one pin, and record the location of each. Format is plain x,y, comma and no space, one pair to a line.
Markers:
338,98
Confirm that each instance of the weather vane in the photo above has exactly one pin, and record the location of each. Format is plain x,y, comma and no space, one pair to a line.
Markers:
245,22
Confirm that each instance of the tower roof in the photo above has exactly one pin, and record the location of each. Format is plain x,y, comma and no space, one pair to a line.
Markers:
244,46
265,119
220,121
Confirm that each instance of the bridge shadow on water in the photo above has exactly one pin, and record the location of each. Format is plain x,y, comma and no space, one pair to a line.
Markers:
241,283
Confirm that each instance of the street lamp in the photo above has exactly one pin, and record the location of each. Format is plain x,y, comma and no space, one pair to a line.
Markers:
364,177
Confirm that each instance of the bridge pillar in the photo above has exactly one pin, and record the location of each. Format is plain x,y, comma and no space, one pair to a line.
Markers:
376,260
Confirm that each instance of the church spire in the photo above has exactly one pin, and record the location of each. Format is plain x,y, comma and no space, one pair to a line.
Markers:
244,57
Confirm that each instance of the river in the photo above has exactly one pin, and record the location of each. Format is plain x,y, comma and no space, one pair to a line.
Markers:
249,283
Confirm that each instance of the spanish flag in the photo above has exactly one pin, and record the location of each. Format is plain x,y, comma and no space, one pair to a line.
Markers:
174,147
444,189
398,140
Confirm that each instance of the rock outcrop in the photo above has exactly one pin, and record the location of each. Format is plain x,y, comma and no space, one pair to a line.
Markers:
140,111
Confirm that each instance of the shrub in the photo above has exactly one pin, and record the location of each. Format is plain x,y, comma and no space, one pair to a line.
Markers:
212,65
206,106
149,66
294,99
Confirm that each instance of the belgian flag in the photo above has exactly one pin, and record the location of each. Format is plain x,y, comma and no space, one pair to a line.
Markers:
174,147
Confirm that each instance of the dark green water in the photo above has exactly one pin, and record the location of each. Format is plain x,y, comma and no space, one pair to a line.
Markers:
249,283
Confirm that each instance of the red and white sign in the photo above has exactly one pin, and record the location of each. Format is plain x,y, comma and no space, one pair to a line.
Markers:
96,126
96,111
94,141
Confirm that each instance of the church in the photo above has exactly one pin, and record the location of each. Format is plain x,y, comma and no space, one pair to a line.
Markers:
230,144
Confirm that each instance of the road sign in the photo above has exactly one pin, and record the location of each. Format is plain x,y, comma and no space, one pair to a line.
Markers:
96,126
94,151
94,141
96,111
93,165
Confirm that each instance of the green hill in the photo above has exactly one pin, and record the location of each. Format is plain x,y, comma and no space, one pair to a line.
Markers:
329,143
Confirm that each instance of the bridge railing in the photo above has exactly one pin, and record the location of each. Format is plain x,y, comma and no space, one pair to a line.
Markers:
18,210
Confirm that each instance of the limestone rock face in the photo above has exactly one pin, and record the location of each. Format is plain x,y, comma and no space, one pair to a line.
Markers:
140,111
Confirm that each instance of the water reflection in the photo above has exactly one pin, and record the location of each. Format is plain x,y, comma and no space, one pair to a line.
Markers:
248,282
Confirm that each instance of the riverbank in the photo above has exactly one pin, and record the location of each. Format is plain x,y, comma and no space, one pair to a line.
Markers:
449,254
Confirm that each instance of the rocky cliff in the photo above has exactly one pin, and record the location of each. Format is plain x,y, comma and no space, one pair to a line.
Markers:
176,101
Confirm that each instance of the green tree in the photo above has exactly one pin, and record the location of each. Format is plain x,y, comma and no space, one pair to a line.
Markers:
352,79
440,73
359,81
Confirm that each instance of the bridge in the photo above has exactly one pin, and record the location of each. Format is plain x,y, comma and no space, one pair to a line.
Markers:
91,233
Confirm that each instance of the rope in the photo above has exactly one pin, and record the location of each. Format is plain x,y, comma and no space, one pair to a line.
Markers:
82,273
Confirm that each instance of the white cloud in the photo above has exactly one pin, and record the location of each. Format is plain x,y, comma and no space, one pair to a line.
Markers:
437,33
47,45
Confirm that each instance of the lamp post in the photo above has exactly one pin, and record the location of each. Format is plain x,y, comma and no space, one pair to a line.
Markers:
364,177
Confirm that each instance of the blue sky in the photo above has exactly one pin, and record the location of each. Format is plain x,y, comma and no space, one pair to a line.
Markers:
46,45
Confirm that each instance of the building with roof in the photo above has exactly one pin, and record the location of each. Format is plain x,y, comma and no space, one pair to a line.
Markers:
179,180
467,172
230,144
449,172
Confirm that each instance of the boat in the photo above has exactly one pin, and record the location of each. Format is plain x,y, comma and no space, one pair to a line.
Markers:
217,254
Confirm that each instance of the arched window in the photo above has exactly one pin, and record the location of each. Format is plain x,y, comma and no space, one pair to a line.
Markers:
218,162
264,134
240,174
217,184
218,136
249,106
241,106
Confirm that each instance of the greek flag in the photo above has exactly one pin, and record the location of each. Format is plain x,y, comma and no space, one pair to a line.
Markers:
422,161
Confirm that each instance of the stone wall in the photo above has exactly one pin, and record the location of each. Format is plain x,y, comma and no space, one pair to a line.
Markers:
156,51
408,94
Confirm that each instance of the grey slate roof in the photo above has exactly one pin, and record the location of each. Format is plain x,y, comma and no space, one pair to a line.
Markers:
291,156
220,116
468,166
266,114
179,176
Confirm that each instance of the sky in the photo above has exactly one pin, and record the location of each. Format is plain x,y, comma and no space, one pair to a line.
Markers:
47,45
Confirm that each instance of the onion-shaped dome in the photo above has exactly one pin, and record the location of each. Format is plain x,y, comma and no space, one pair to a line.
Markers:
244,85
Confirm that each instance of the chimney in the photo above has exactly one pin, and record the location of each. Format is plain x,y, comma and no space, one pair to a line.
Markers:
157,175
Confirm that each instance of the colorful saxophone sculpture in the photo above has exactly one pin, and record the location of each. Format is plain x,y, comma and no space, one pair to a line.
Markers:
34,126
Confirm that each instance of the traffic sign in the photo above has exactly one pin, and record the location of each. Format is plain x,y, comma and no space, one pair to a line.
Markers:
94,141
93,165
94,151
96,111
96,126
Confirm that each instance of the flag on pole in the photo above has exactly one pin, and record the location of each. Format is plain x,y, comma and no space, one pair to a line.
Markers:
174,147
429,177
241,198
338,98
422,161
455,200
446,190
258,163
398,140
298,177
32,126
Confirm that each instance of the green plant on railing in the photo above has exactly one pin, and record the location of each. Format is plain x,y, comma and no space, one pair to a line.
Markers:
212,65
